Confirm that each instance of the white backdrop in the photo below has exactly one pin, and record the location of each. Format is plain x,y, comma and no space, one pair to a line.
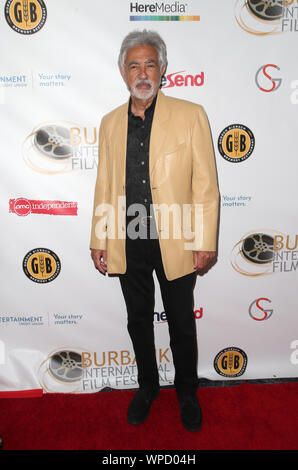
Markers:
66,331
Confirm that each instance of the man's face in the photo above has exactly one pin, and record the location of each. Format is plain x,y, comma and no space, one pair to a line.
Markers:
142,72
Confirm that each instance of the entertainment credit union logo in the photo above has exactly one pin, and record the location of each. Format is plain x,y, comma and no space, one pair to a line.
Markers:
25,16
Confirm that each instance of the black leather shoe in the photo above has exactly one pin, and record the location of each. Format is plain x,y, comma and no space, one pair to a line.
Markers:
140,405
190,411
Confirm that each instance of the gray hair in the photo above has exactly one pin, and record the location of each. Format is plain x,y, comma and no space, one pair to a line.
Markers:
136,38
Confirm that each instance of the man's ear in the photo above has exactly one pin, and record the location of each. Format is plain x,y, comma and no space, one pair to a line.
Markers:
122,73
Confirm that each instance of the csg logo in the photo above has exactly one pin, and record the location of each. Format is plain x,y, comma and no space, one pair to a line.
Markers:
257,312
25,16
177,79
262,83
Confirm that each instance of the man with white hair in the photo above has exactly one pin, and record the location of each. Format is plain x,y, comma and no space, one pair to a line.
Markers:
156,158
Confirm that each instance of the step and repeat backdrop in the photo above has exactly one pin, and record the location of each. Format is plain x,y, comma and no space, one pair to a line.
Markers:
62,324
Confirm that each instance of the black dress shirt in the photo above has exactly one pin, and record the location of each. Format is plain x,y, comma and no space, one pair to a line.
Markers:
137,158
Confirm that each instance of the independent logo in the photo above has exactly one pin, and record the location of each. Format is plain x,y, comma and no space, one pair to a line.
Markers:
230,362
236,143
25,16
41,265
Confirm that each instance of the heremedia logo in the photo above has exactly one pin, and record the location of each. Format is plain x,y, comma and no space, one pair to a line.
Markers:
164,11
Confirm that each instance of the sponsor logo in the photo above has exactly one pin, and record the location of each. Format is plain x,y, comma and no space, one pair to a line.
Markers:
165,11
72,370
41,265
25,16
23,207
162,317
47,319
264,252
239,200
179,79
256,310
61,147
8,81
236,143
230,362
274,82
267,17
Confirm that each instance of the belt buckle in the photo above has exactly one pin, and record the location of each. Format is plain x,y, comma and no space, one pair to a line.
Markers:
144,220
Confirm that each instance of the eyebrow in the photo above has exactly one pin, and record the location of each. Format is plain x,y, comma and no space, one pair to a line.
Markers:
149,61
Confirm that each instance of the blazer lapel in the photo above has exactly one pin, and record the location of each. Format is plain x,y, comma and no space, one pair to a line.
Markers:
158,130
121,143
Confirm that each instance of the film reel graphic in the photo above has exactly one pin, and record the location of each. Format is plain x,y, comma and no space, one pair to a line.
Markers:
49,149
54,142
66,366
62,371
268,10
259,17
258,248
254,254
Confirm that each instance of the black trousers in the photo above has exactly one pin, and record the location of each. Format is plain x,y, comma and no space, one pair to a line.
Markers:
144,256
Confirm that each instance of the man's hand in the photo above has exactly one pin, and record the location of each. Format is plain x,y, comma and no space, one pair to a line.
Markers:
202,258
100,260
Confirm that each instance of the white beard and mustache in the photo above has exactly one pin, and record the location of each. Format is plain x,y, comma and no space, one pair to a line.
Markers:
143,94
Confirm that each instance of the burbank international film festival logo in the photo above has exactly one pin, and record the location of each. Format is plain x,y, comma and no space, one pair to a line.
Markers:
25,16
267,17
74,370
264,252
54,147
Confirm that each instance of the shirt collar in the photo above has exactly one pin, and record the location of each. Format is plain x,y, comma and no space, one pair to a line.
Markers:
148,111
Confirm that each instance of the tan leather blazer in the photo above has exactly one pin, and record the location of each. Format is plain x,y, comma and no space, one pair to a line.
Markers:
182,175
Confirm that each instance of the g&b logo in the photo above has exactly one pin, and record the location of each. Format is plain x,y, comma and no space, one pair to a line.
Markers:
25,16
230,362
41,265
236,143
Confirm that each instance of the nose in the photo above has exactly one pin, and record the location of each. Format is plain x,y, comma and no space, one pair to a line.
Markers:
143,72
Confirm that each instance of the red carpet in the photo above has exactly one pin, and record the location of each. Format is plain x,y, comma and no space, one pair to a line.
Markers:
242,417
